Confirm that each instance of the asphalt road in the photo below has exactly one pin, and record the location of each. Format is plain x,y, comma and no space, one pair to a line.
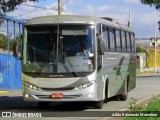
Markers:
146,86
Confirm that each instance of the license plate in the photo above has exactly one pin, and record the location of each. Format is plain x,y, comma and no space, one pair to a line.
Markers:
57,96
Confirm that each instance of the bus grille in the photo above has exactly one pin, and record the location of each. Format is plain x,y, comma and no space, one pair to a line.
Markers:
57,89
65,96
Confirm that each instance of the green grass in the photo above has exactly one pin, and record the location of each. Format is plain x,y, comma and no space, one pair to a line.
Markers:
154,105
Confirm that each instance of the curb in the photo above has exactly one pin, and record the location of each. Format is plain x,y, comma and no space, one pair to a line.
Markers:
3,92
140,102
144,101
146,74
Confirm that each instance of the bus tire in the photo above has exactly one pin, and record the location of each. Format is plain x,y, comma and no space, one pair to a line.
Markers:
43,104
98,104
123,96
106,92
128,85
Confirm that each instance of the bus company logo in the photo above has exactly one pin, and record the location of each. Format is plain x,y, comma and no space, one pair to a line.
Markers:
6,114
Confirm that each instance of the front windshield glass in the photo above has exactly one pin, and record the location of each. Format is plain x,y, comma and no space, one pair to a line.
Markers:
74,52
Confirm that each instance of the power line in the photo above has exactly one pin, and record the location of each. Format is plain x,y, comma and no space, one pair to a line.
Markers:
40,7
63,8
47,8
30,11
36,6
65,2
65,12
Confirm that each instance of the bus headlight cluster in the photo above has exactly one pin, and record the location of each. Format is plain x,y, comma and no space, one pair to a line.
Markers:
84,85
30,85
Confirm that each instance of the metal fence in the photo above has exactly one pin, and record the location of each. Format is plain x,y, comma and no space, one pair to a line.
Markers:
10,69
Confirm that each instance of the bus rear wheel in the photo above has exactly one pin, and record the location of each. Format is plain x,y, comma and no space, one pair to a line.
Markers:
106,92
123,96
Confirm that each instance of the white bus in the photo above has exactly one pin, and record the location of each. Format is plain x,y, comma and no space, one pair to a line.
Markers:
77,58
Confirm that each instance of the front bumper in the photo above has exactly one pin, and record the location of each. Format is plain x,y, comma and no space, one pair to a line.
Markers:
87,94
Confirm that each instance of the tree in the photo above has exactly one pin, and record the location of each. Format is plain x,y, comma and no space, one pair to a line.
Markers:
4,42
10,5
140,49
155,3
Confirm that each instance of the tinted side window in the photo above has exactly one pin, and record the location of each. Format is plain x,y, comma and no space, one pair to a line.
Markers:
105,38
111,39
128,41
118,43
132,42
123,37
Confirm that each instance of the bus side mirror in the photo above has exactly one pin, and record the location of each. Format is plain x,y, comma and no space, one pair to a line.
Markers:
16,51
101,47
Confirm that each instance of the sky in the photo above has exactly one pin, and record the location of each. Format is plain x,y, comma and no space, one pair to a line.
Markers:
144,18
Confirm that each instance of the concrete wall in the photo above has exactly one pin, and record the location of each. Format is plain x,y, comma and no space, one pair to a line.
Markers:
141,62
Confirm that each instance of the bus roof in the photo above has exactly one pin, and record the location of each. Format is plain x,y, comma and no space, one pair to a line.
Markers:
74,19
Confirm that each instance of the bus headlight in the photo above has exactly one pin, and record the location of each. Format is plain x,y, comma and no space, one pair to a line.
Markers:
84,85
30,85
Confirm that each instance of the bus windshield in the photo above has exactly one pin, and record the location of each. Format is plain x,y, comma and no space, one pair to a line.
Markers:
62,49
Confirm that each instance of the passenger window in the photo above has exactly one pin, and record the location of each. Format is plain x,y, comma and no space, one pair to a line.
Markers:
118,43
123,41
128,41
132,42
105,38
111,39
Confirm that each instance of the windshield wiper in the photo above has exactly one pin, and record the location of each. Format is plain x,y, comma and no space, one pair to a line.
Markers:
71,65
38,70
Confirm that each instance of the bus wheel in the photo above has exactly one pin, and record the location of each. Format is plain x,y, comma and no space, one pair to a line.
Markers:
43,104
123,96
106,92
99,104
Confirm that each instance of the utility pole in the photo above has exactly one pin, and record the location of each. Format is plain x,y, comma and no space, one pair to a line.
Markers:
59,13
129,22
59,7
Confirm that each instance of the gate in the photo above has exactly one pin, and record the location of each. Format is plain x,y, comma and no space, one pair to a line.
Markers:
151,60
11,30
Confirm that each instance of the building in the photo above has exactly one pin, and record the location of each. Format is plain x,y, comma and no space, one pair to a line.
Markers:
148,42
153,42
143,42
